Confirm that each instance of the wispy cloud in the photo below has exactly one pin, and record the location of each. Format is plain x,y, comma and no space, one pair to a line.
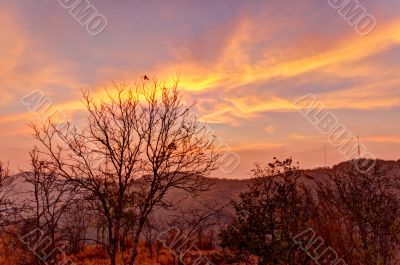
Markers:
244,64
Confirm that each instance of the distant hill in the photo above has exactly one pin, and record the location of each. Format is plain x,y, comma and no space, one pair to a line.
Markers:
222,192
225,190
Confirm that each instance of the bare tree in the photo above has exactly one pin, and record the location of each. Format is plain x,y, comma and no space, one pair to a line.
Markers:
362,210
12,250
151,230
197,220
51,197
6,189
187,230
76,223
138,144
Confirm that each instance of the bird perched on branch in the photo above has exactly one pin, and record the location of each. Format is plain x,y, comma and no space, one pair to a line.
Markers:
172,146
145,77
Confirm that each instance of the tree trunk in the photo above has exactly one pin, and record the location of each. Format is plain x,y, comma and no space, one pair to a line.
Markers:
114,241
151,251
113,257
136,243
134,250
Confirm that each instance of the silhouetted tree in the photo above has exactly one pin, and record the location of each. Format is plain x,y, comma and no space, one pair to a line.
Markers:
138,144
77,219
362,210
151,230
191,224
268,215
50,198
6,188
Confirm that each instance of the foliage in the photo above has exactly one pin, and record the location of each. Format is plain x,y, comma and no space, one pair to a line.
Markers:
268,214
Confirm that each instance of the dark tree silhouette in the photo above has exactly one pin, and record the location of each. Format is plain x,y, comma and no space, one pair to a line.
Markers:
6,189
362,212
137,145
51,197
268,215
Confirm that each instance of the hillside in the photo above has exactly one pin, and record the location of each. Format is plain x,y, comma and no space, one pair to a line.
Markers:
225,190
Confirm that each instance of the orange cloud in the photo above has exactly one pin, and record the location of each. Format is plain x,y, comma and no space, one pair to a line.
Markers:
394,139
234,68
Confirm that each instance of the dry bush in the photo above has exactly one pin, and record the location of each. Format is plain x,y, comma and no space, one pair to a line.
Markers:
92,255
13,252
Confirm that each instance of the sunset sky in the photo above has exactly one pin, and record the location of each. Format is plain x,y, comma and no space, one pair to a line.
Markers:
243,62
